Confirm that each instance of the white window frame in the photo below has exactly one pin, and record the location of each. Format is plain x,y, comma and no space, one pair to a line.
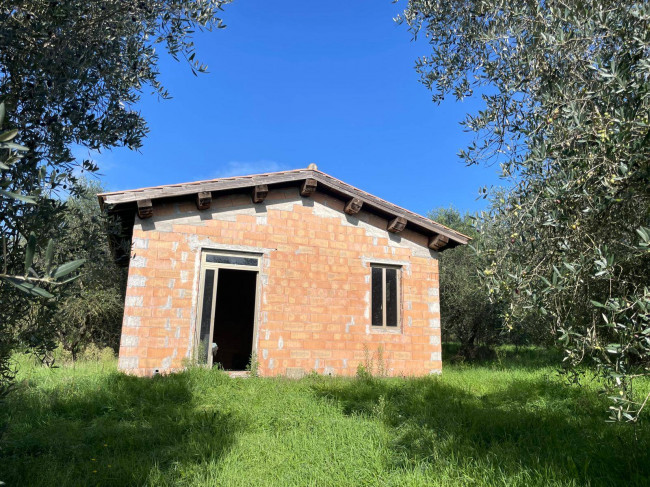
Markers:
205,266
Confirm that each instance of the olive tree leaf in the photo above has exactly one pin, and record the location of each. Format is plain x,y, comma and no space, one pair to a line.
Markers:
28,287
13,146
8,135
17,196
66,268
563,88
30,250
49,255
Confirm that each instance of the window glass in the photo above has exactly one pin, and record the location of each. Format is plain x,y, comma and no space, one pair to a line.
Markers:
377,296
230,259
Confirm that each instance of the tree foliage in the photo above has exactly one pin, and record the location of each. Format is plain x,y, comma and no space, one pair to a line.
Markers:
90,309
20,290
566,89
71,73
468,315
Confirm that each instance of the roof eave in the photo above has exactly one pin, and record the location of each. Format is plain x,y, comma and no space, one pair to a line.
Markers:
441,237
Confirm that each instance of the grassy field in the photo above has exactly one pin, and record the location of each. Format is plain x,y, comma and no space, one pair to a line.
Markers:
510,422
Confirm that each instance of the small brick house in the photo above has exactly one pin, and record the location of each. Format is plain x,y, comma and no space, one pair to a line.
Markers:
296,269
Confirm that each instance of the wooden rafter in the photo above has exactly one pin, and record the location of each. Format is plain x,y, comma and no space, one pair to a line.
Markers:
308,187
353,206
259,193
203,200
145,208
397,224
308,179
438,241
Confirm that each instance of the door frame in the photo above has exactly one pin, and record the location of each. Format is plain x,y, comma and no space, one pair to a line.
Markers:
216,266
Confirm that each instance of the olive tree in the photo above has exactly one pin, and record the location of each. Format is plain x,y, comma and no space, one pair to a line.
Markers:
90,309
21,289
468,314
71,73
566,93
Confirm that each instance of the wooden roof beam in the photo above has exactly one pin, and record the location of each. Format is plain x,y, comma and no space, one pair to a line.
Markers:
437,242
353,206
397,224
259,193
203,200
124,200
145,208
308,187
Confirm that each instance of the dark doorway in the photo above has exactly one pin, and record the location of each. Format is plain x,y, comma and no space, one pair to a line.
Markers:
234,318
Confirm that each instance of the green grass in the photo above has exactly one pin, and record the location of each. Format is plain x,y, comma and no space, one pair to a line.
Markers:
508,422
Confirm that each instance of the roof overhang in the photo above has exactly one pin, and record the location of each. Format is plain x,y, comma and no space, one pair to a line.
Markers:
140,201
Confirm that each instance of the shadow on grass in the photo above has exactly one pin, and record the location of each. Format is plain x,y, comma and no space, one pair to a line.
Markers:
507,356
543,430
118,430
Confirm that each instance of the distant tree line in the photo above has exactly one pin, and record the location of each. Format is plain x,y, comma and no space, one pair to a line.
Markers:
471,314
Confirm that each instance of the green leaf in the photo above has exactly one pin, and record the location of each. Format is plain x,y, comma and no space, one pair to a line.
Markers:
19,197
14,146
49,255
597,304
70,279
8,135
569,266
2,113
28,288
67,268
29,251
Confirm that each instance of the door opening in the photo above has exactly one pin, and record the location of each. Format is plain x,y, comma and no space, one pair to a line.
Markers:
234,318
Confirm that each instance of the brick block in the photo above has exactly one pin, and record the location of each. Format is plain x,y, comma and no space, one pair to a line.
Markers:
300,354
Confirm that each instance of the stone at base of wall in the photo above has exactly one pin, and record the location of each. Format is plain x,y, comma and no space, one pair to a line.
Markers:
295,372
126,363
129,365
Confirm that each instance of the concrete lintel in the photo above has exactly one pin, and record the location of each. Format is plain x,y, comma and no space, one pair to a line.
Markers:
372,260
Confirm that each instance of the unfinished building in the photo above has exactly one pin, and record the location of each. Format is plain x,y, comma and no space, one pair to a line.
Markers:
296,269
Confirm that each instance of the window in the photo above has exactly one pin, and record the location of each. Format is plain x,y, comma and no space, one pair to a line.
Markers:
385,296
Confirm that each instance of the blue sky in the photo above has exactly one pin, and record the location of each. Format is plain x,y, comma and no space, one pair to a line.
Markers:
292,82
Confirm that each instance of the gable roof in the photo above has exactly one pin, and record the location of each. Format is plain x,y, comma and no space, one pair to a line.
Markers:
441,237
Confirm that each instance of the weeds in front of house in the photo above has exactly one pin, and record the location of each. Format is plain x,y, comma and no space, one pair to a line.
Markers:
511,421
374,364
253,366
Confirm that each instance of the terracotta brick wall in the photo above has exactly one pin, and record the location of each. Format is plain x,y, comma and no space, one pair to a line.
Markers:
315,304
